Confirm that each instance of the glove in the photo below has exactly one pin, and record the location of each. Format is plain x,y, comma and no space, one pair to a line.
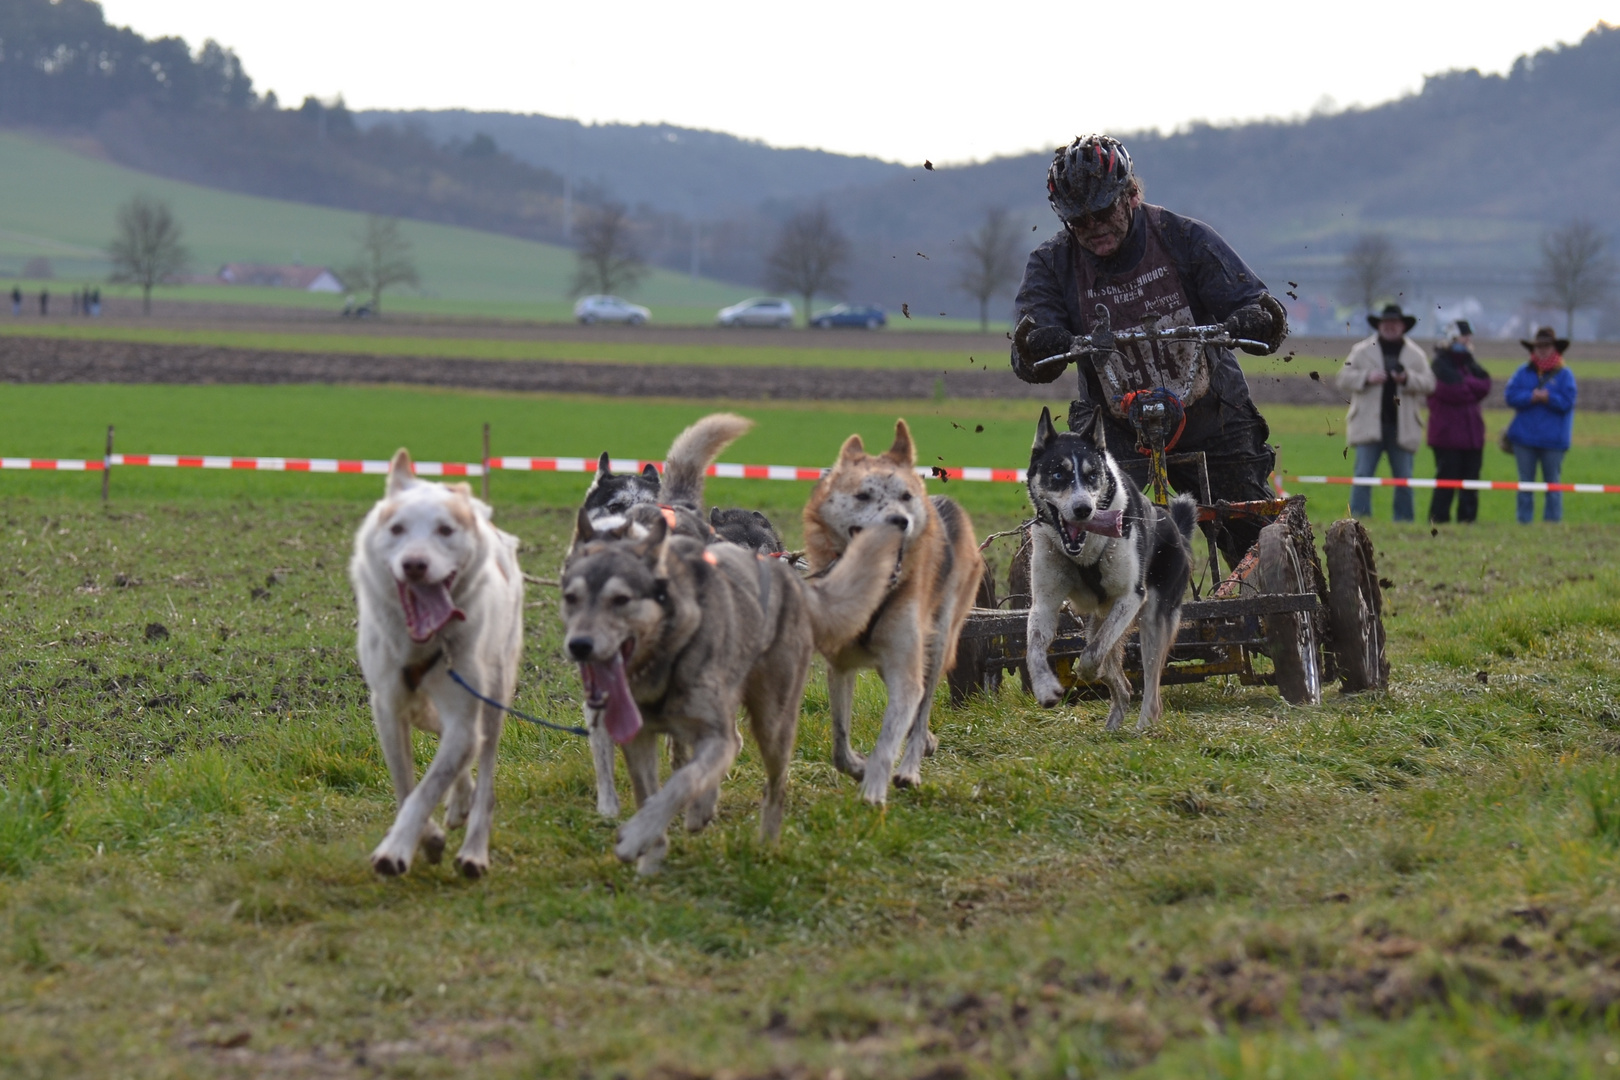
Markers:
1264,320
1032,344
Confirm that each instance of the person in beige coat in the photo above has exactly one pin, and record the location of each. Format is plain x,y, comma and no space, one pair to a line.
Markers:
1388,379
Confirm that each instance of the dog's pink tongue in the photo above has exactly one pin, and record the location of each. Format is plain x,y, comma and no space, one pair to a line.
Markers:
1106,523
428,608
620,714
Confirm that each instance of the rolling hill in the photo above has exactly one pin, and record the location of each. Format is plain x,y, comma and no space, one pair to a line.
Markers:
59,203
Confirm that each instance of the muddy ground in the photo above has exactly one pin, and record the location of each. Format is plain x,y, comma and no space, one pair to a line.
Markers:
56,360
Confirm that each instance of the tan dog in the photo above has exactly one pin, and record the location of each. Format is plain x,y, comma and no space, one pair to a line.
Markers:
912,638
438,586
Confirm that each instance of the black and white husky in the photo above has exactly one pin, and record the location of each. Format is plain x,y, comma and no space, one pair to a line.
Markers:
1118,560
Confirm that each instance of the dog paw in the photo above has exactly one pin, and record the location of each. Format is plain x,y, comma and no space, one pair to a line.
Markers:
635,841
652,860
608,806
472,867
874,790
432,845
388,864
700,811
852,764
931,745
1116,717
908,779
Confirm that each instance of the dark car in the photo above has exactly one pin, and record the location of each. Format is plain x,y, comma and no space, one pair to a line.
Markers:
861,315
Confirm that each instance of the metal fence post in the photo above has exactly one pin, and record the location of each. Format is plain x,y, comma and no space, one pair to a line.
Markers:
106,464
486,463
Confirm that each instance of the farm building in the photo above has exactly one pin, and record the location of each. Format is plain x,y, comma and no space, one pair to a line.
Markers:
308,278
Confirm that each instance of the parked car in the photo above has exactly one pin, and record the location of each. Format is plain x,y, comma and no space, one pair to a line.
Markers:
757,311
860,315
595,309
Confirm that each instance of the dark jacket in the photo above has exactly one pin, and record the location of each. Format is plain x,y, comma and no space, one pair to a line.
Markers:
1460,384
1545,425
1216,281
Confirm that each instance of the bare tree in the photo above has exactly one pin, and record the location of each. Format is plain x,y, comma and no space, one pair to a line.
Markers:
608,258
146,250
1576,270
1370,267
383,260
990,261
809,257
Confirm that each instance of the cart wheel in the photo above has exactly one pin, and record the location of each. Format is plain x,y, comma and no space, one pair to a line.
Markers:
973,673
1356,608
1291,635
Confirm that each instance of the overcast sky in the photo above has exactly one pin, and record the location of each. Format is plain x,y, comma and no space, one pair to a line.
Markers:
900,81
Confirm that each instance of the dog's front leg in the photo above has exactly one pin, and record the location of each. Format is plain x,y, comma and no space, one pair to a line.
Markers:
642,838
902,671
457,743
1109,630
607,796
841,704
391,713
1044,609
909,772
1157,631
473,858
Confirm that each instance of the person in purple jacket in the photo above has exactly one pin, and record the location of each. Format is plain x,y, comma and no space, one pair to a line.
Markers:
1456,422
1542,395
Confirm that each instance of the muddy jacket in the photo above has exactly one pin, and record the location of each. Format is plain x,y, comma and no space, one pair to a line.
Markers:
1169,265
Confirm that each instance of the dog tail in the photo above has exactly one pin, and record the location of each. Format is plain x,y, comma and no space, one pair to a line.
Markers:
691,454
1184,512
843,603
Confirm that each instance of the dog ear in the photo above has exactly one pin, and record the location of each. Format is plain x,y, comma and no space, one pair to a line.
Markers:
604,465
714,515
650,471
1044,432
853,448
401,474
903,452
583,529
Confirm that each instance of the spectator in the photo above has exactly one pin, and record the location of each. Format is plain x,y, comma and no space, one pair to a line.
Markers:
16,300
44,301
1542,395
1456,423
95,302
1387,378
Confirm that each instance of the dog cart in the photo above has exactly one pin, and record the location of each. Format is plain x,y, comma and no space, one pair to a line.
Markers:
1277,603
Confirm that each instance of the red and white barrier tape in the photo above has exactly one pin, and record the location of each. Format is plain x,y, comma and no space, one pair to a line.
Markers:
1465,485
722,470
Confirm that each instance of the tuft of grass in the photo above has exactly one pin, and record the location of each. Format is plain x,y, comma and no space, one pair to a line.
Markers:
33,808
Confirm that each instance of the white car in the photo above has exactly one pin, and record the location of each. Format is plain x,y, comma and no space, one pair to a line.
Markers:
595,309
758,311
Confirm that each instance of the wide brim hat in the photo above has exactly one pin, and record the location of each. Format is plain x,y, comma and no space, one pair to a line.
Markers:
1392,311
1546,335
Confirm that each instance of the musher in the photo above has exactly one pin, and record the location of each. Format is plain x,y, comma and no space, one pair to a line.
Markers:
1141,261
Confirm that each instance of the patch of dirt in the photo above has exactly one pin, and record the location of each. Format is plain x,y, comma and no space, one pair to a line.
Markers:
52,360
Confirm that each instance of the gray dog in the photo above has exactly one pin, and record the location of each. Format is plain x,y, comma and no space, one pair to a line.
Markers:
673,636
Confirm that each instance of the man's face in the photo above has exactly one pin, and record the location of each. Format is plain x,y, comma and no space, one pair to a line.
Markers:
1103,231
1544,349
1392,329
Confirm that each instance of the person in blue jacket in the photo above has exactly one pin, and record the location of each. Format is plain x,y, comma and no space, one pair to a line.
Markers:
1542,395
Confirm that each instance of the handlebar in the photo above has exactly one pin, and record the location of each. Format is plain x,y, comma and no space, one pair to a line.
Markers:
1102,339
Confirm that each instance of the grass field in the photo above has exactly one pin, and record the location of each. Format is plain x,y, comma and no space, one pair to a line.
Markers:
1419,884
364,422
60,205
795,350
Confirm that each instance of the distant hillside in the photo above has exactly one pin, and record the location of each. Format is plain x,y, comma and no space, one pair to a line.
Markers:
679,170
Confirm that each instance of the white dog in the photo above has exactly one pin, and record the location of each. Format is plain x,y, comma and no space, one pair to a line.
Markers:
439,588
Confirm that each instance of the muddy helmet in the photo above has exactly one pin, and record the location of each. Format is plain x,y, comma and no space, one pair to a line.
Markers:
1087,176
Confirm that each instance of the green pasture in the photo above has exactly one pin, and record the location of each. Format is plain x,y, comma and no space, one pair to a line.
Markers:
1418,884
60,205
371,422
